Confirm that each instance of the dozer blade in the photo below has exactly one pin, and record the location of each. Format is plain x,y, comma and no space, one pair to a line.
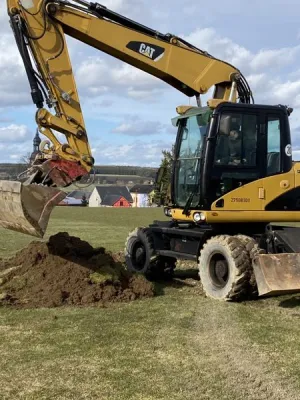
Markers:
277,274
27,208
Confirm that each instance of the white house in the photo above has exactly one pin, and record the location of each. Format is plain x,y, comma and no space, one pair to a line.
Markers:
109,196
95,199
142,195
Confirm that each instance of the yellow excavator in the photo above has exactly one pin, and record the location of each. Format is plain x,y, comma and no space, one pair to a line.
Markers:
232,174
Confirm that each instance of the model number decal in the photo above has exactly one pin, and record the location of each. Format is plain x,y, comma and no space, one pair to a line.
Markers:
240,200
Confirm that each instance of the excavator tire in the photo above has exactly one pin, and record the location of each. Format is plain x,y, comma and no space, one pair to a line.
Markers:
253,250
224,268
140,256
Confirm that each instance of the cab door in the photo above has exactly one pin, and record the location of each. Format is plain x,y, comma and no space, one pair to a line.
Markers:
238,157
279,175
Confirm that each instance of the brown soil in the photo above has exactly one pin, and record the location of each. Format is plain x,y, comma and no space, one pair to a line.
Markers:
67,271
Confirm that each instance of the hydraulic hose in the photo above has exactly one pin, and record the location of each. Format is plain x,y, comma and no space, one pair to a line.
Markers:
36,93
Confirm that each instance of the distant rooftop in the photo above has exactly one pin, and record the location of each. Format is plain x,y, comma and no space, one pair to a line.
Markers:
105,191
142,189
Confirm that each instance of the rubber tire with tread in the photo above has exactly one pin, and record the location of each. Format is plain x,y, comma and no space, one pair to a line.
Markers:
155,266
253,250
238,261
139,235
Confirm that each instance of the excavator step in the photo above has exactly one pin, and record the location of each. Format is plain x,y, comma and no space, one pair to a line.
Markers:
27,208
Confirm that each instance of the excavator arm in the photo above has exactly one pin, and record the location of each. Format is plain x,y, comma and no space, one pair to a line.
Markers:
40,26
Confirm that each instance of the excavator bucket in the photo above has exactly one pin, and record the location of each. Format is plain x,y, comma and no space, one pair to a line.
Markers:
27,208
277,274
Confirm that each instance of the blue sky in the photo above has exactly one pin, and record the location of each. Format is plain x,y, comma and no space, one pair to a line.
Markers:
127,112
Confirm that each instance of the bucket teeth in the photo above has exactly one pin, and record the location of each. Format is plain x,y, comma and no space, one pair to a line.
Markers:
27,208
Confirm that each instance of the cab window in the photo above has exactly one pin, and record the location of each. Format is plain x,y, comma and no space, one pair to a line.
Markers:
274,145
237,140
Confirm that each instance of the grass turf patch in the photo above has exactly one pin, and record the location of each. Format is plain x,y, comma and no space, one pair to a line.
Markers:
178,345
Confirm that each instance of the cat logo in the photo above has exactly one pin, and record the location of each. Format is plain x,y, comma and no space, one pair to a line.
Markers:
148,50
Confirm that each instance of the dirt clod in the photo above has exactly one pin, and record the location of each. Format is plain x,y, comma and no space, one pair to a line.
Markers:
67,271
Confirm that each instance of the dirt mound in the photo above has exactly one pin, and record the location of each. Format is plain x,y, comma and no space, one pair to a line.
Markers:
67,271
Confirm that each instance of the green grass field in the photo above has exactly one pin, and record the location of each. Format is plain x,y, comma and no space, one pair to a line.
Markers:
101,227
178,345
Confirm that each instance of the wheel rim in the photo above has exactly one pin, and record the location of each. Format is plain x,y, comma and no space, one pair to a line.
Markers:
138,255
218,270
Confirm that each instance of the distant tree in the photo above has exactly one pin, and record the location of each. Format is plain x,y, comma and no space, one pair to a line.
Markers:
163,179
84,201
26,159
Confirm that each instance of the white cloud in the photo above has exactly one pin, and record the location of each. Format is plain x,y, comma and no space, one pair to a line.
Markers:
131,76
136,153
135,126
4,119
274,58
115,4
130,8
14,87
244,11
96,76
296,155
269,90
14,157
248,62
4,18
14,133
288,92
15,143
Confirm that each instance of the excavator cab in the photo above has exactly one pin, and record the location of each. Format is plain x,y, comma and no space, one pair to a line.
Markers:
217,151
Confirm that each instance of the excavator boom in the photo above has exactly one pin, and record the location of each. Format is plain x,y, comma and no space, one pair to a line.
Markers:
39,27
